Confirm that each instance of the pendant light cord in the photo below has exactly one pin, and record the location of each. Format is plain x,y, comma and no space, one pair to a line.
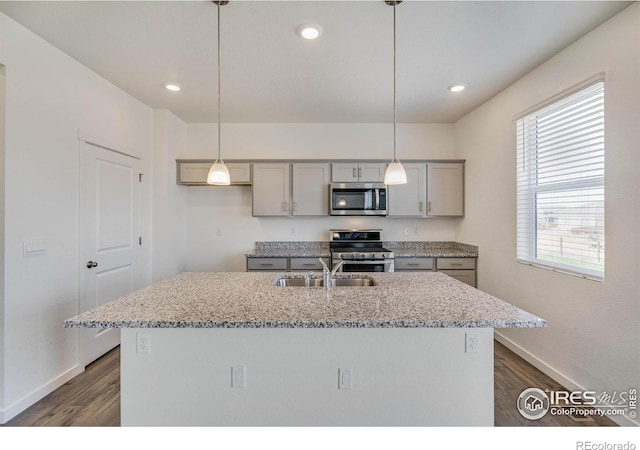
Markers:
219,118
395,154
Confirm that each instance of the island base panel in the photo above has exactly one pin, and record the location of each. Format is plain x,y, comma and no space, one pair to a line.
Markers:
400,377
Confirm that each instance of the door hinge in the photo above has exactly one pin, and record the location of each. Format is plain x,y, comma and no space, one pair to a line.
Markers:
140,240
140,177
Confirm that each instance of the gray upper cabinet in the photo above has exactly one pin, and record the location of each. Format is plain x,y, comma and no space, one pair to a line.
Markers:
195,173
410,200
299,188
311,189
358,172
271,189
445,189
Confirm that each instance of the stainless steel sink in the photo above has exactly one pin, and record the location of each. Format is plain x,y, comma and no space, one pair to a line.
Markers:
318,282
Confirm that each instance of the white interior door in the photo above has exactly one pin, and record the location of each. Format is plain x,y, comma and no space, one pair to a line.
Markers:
109,237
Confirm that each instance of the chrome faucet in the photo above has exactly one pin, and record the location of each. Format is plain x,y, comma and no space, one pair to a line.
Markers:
328,275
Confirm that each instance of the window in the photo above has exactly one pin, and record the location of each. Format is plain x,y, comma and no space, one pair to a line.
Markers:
560,185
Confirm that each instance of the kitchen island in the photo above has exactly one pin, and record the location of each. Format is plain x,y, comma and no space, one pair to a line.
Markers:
234,349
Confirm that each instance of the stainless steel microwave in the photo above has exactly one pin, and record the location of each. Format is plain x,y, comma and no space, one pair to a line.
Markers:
358,199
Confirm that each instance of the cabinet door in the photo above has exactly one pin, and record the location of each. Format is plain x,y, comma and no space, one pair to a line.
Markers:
344,172
409,200
307,264
445,189
311,189
268,264
271,188
371,172
419,263
466,276
240,173
195,173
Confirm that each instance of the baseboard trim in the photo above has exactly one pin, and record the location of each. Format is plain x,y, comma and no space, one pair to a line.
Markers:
33,397
560,378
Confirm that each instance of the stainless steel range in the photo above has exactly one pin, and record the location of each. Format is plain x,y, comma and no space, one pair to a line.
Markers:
361,251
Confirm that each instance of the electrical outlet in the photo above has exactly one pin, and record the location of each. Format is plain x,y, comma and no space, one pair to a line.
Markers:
238,377
293,231
411,231
143,343
471,342
345,378
219,232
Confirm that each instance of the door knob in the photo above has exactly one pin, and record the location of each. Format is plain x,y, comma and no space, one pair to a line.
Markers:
91,264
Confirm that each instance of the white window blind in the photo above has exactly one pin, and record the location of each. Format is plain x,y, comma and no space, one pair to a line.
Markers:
560,185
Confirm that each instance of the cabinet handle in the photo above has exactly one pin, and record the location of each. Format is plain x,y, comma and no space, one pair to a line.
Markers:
359,172
429,206
420,206
295,206
284,206
266,264
455,264
309,264
413,264
355,173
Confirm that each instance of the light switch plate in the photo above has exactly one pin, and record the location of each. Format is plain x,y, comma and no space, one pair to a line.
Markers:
34,246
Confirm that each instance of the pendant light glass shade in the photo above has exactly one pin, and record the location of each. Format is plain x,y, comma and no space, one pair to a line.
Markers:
219,173
395,173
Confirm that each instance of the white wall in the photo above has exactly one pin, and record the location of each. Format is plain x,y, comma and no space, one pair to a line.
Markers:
592,340
169,213
49,97
229,208
2,216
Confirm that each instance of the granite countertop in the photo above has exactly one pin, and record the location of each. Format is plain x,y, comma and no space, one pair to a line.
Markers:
434,249
407,249
291,249
250,300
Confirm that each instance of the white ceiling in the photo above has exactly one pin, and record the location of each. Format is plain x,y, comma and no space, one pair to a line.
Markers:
270,74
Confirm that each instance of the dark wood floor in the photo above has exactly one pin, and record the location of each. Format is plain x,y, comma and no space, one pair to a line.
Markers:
93,397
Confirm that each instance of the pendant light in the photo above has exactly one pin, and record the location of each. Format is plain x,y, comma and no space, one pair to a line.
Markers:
395,173
219,173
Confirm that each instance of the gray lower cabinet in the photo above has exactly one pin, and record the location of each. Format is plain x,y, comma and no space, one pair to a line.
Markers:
466,276
306,264
284,264
463,269
406,264
267,264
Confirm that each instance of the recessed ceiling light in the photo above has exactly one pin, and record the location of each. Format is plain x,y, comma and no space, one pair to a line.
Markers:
173,87
310,31
456,87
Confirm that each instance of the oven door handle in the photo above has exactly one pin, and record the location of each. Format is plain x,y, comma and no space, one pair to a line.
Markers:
365,261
